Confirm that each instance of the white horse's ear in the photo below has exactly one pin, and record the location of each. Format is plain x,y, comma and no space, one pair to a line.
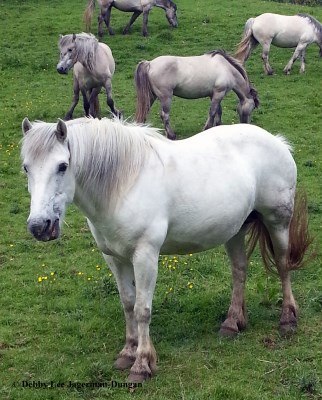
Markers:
26,125
74,37
61,130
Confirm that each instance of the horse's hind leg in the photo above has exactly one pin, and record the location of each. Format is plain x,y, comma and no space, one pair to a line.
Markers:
236,317
93,102
165,115
134,16
215,110
86,104
267,68
278,228
298,51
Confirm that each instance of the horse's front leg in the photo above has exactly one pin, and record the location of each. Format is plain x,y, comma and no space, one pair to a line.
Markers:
145,262
298,51
134,16
267,68
215,110
109,99
124,275
236,318
165,101
302,56
146,11
69,114
105,15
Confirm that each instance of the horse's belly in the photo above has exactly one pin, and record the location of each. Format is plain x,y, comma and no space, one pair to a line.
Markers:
193,92
128,5
285,40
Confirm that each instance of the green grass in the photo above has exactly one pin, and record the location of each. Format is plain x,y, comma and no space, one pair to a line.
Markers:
61,318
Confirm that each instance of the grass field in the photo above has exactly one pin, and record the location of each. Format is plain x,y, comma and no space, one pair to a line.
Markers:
61,319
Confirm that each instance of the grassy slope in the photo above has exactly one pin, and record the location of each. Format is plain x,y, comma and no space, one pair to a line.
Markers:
70,325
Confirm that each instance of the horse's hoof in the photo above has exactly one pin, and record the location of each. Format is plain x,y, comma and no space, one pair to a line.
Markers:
228,332
138,377
124,362
287,329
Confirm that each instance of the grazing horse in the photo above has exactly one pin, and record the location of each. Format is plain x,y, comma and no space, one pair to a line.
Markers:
212,75
94,67
297,31
136,6
141,195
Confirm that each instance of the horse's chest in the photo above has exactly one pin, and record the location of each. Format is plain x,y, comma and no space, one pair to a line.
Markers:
90,82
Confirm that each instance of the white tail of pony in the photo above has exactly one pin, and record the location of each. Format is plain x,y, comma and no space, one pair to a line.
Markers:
248,42
88,14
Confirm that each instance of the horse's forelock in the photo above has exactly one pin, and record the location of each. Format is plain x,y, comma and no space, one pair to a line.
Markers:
39,140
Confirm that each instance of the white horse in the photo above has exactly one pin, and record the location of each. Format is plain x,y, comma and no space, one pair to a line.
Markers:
138,7
212,75
93,66
297,31
144,195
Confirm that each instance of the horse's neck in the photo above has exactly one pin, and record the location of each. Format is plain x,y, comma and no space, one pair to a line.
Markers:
160,3
88,60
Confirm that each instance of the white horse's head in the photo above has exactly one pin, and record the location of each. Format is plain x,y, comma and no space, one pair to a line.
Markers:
68,53
51,182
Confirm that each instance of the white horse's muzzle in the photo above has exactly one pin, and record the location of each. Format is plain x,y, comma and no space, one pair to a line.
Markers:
44,229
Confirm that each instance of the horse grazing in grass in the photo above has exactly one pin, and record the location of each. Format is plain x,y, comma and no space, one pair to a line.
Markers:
297,31
94,67
141,195
212,75
138,7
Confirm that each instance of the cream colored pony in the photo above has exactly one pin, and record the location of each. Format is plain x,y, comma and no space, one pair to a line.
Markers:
297,31
93,68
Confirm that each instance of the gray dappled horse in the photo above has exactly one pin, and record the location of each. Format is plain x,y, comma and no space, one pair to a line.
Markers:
138,7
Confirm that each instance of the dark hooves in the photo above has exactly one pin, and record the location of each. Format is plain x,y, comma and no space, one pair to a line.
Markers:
123,363
138,377
228,332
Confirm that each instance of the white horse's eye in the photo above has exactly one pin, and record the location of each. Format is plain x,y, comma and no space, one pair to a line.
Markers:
70,50
62,167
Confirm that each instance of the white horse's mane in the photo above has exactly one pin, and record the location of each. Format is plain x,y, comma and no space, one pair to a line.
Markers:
106,155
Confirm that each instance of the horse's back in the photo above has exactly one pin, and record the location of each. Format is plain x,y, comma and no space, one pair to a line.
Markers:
282,30
190,77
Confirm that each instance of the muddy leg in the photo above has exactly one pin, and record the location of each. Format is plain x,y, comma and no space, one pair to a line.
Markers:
215,108
69,114
236,317
267,68
134,16
165,115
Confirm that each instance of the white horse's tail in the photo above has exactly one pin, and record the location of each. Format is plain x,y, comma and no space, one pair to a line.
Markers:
144,92
248,42
88,13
